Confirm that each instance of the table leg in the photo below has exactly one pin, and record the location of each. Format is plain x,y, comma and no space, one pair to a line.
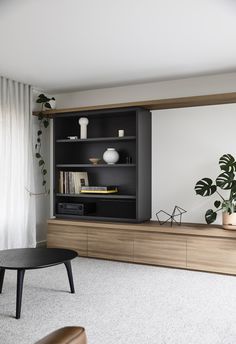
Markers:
20,280
70,276
2,273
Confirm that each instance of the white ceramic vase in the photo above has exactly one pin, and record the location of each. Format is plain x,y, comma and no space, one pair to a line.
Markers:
110,156
83,122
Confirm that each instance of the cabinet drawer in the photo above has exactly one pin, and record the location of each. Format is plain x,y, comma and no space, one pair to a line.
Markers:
110,244
71,237
212,254
160,249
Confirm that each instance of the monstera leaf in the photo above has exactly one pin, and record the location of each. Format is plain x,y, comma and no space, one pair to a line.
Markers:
227,163
210,216
205,187
226,180
217,204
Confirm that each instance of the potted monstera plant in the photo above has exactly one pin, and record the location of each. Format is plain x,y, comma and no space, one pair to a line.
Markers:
225,181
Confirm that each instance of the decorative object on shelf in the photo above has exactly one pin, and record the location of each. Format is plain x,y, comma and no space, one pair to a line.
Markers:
72,137
94,161
225,181
52,103
128,160
83,122
99,189
46,103
110,156
177,211
80,209
121,132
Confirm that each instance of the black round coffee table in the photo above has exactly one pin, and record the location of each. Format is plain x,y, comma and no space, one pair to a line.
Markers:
33,258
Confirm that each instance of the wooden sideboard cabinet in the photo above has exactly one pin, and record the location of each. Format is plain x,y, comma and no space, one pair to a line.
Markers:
212,254
190,246
68,236
160,249
115,244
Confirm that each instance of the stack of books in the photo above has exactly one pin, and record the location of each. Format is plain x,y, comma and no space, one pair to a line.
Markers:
71,182
99,189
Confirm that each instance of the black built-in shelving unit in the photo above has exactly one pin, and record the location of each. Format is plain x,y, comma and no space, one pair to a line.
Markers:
133,201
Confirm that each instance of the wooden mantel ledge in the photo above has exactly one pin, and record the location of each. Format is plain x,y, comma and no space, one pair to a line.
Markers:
189,229
159,104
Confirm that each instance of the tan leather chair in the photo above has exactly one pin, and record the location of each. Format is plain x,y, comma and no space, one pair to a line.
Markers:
65,335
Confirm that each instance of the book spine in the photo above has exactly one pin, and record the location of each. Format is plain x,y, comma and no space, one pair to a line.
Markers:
61,182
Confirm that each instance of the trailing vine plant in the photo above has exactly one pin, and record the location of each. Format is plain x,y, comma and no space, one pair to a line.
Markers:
43,124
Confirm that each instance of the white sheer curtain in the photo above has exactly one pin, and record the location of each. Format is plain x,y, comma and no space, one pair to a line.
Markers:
17,207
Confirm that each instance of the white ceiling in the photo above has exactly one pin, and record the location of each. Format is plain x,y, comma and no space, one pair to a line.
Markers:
62,45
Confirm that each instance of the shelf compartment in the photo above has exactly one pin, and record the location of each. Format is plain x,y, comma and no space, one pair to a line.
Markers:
104,207
97,139
108,196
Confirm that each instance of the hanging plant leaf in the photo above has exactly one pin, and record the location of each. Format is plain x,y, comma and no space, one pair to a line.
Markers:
43,98
38,155
36,146
44,182
47,105
38,140
217,204
46,123
205,187
41,162
227,163
210,216
39,132
40,116
44,172
225,180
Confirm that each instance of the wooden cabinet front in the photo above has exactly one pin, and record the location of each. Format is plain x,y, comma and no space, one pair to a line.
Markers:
212,254
66,236
110,244
160,249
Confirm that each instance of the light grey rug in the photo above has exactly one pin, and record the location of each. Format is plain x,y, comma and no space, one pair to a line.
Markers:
120,303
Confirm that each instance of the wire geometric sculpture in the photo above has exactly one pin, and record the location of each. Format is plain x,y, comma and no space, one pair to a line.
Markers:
177,211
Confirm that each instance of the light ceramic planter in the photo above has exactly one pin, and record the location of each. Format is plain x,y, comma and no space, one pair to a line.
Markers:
52,103
229,221
110,156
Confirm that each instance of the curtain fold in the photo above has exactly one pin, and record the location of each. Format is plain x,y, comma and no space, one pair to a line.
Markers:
17,206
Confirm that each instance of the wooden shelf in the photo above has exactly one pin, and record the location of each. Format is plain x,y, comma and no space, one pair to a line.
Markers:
98,139
109,196
95,166
158,104
92,218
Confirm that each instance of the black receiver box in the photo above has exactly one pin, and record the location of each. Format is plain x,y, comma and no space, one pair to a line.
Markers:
76,208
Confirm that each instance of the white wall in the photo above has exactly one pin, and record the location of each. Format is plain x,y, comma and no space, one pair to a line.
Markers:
187,143
166,89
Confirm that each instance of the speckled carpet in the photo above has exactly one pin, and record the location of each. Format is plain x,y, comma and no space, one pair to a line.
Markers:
121,303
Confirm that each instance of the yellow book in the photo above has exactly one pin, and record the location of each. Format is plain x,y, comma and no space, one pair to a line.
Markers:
99,192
